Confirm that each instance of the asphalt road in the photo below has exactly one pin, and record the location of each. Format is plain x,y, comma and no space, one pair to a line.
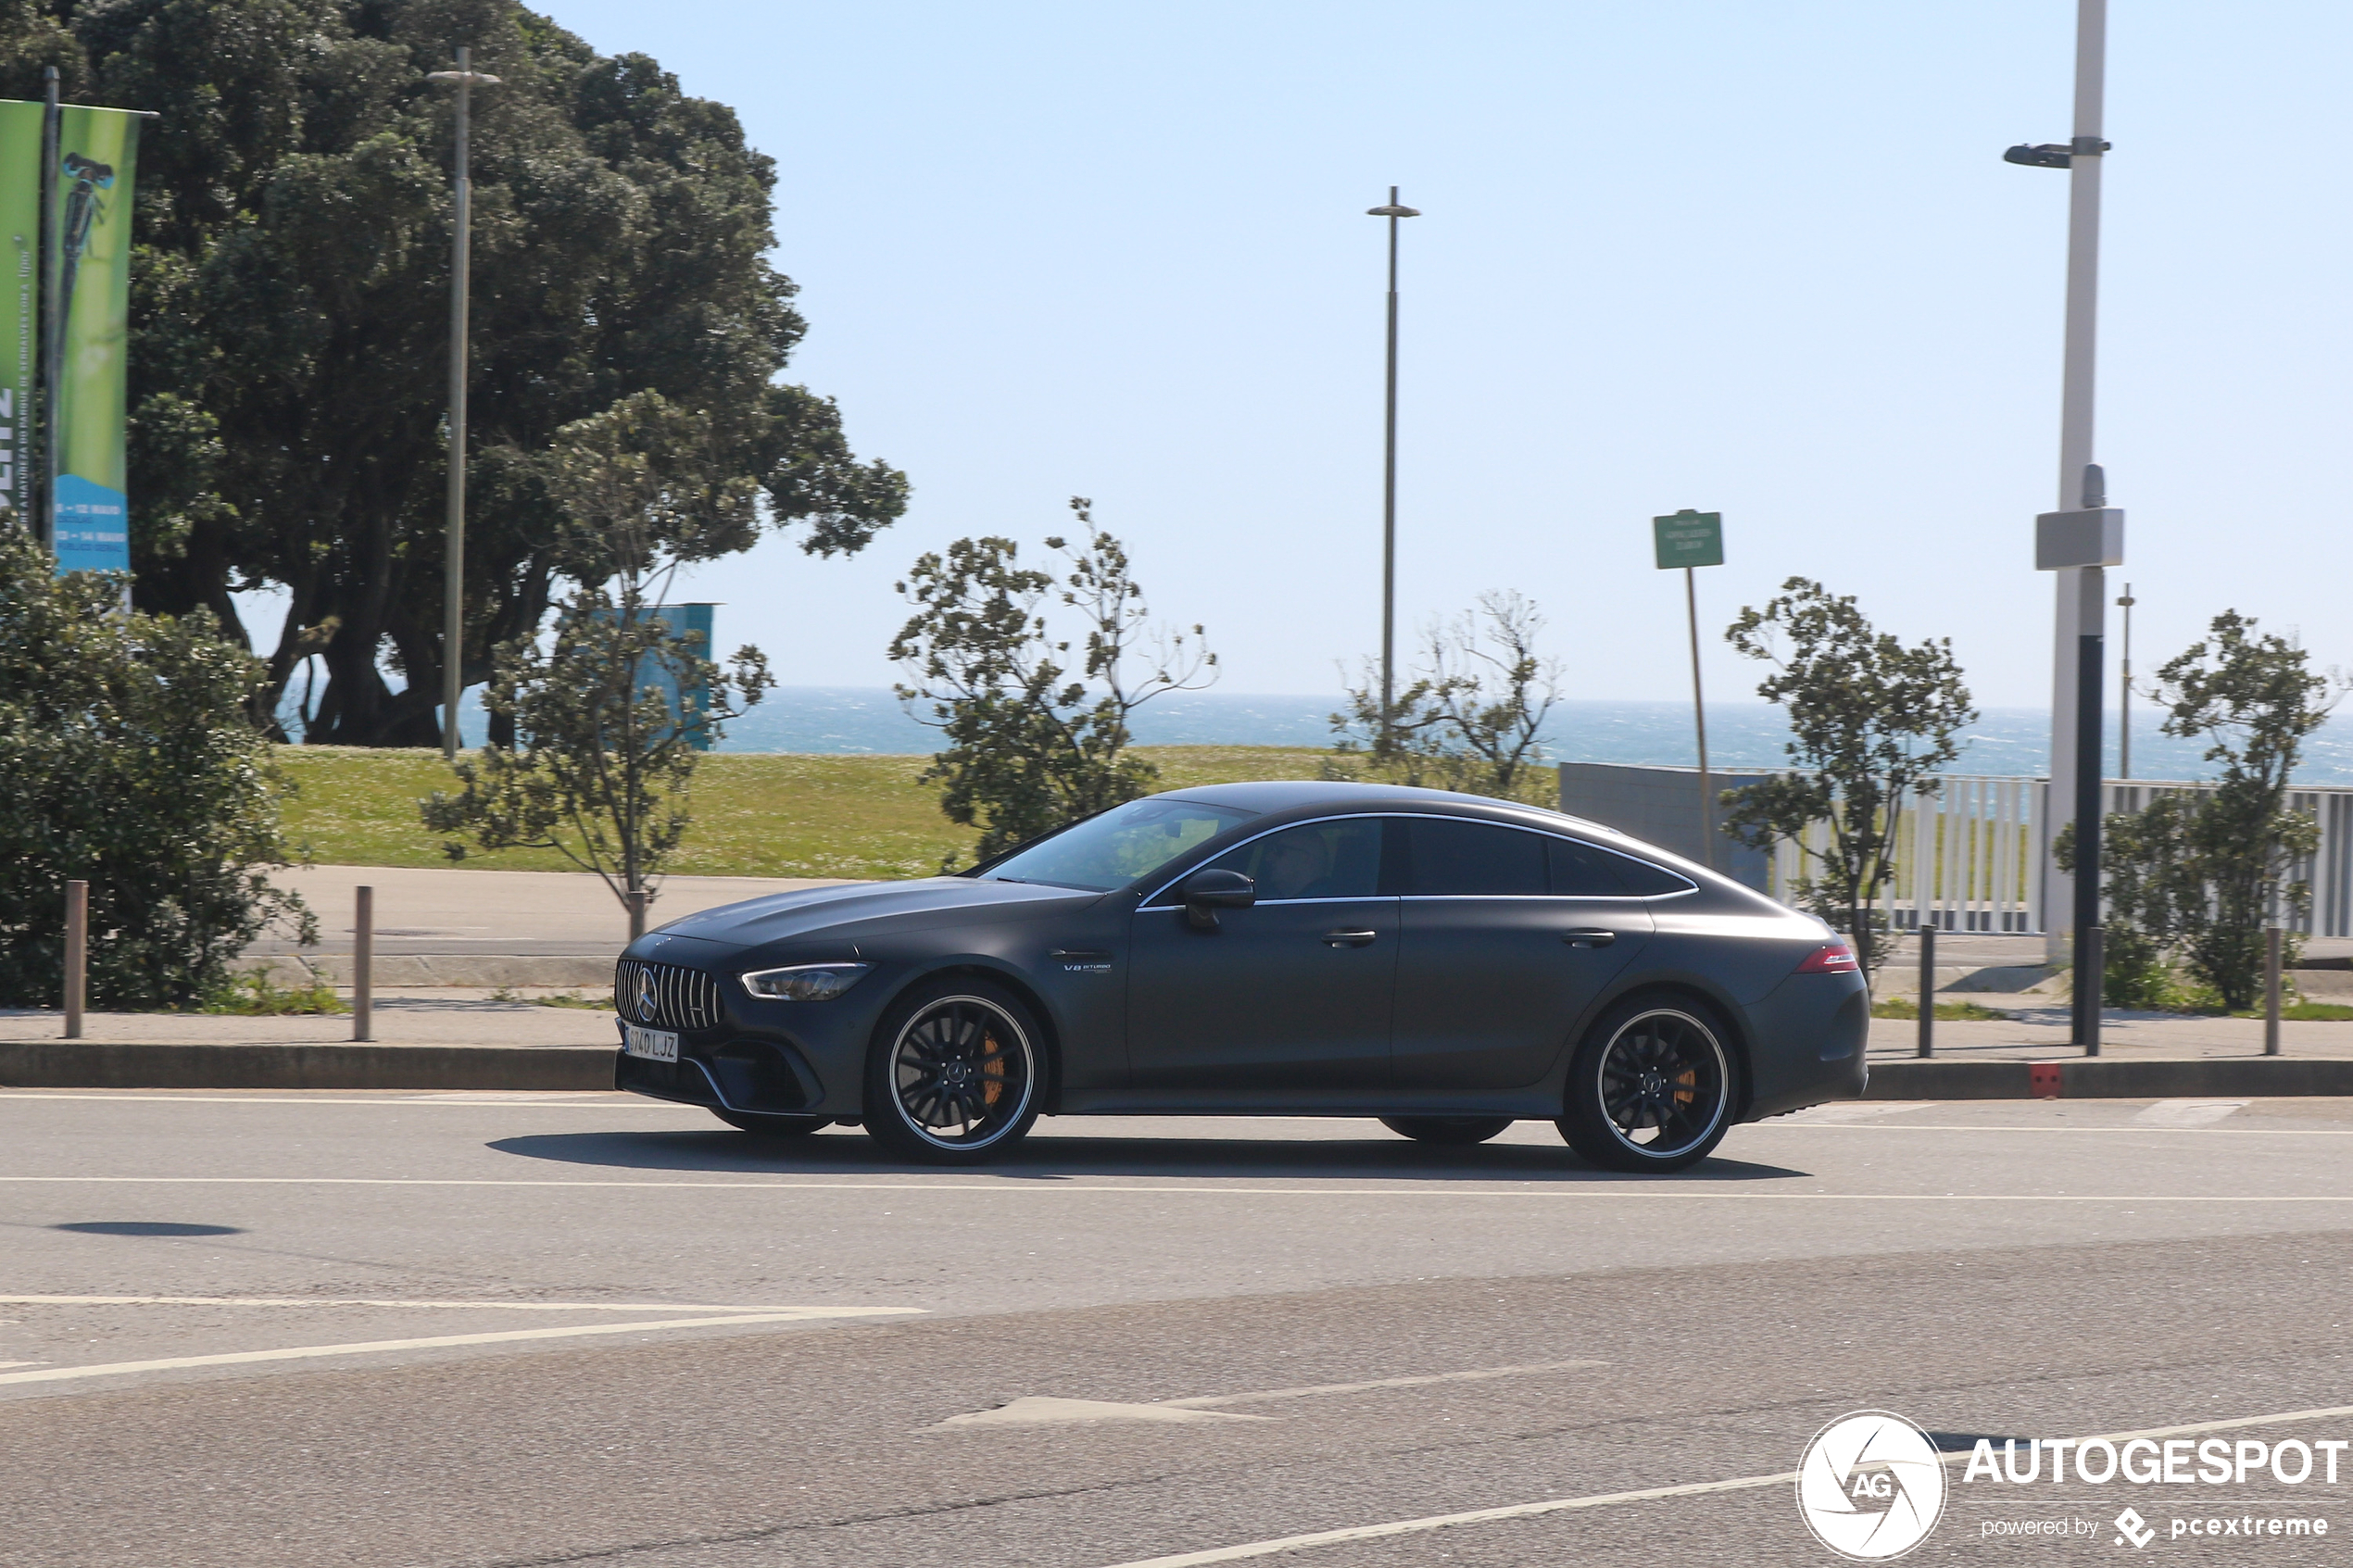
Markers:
455,1329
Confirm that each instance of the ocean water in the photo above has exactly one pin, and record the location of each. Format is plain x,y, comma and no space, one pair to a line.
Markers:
2006,741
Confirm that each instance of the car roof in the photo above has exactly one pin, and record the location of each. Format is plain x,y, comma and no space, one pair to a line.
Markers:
1286,795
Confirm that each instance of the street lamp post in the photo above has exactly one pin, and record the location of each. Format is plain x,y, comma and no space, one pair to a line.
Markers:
2124,691
2081,596
453,615
1392,211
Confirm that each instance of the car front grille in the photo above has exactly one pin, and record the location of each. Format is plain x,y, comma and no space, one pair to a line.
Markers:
664,996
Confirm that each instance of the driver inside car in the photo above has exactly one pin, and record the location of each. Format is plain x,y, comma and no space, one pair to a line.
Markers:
1297,865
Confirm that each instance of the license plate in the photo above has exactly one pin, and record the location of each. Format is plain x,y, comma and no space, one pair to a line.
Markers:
654,1045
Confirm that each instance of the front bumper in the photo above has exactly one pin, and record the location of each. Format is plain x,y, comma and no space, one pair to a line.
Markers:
727,1071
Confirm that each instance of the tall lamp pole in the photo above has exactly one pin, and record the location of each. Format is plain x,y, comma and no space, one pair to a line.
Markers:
453,613
2124,691
2080,595
1392,211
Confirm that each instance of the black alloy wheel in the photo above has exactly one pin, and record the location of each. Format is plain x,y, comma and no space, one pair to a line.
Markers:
1456,1130
953,1076
1651,1087
768,1125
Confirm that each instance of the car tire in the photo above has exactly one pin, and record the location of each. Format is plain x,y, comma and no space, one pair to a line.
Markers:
1460,1131
1653,1088
956,1072
766,1125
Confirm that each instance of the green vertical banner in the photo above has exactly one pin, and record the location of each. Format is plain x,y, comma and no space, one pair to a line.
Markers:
19,305
96,149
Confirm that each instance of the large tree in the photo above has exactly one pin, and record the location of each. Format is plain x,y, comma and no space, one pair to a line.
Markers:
290,310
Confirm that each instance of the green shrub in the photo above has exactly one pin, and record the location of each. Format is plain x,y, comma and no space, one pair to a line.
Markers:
127,759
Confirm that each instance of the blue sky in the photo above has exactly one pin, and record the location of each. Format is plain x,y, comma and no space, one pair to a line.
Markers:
1764,260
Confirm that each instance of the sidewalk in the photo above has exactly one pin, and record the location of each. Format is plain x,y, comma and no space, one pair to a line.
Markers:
454,910
441,927
2041,1033
401,1018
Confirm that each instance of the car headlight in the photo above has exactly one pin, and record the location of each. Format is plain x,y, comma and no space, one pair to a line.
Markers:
805,983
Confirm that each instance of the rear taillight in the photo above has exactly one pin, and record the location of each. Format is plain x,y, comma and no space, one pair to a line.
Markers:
1830,958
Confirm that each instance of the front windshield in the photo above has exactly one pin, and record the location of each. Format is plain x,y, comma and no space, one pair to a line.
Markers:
1121,844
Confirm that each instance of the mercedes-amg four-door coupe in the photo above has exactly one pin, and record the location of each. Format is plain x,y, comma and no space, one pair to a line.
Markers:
1447,963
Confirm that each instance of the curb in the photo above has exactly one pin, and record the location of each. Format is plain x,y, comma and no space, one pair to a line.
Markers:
80,1064
2111,1078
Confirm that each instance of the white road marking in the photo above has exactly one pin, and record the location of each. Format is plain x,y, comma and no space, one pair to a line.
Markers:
372,1347
2189,1112
1629,1189
443,1306
1852,1111
1038,1411
1479,1375
1048,1410
1605,1499
23,1364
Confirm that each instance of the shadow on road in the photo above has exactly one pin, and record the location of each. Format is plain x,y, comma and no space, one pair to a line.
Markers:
1047,1158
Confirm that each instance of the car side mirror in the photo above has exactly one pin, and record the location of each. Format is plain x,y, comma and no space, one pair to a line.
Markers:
1207,892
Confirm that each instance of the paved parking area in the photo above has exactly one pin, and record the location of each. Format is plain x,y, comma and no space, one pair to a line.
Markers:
505,1329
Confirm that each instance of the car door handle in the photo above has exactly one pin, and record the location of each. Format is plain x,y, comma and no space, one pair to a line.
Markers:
1589,939
1350,939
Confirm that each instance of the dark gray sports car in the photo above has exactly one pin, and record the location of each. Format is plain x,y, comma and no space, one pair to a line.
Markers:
1445,962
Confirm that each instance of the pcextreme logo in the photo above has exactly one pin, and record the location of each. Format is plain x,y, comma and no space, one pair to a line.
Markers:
1870,1486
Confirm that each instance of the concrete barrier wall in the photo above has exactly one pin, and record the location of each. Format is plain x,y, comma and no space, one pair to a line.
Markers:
1661,806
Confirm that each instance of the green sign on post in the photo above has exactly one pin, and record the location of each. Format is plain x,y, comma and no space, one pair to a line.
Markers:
1689,538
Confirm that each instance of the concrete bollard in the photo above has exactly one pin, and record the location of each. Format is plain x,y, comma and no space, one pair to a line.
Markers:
363,964
2271,945
77,954
1928,989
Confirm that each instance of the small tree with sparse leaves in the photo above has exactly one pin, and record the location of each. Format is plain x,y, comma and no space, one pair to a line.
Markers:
1871,723
1471,717
2194,877
610,715
1037,722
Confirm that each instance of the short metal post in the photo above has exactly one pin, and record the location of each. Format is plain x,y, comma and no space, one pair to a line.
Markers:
637,899
77,954
2271,944
1928,986
363,966
2091,949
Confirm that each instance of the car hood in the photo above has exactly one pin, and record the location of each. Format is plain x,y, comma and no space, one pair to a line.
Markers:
870,908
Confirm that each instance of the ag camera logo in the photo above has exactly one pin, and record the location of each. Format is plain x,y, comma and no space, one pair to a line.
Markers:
1870,1487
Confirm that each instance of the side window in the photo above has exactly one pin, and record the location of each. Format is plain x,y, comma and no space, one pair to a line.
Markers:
1335,860
1464,859
1581,870
1644,880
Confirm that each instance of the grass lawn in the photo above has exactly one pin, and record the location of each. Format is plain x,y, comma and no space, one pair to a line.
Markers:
755,814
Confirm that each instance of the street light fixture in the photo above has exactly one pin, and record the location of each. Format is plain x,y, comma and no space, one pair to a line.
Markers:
1391,211
453,615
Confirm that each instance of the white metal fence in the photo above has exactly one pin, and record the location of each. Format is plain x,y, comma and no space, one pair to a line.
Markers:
1967,859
